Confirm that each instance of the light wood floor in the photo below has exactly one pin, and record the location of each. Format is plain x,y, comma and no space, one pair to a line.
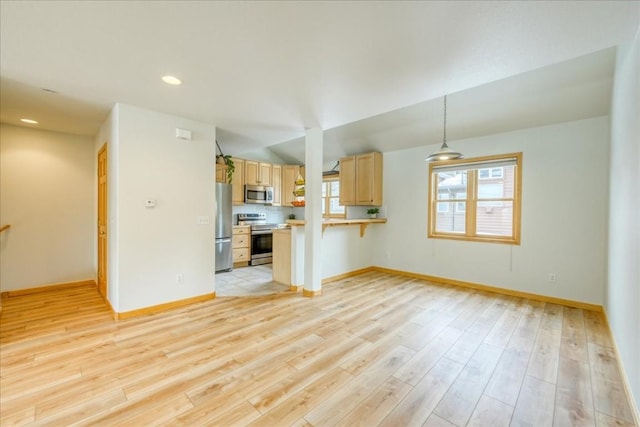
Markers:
374,349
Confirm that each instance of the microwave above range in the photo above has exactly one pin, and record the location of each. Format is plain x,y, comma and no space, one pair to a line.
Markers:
258,194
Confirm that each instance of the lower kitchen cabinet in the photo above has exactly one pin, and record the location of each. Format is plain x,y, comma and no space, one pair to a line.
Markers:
241,245
282,256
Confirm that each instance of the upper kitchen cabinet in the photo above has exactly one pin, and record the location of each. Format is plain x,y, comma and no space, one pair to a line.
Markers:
257,173
276,183
289,175
361,180
237,182
221,173
348,181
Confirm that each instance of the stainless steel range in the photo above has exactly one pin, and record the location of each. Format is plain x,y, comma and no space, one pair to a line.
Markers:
261,236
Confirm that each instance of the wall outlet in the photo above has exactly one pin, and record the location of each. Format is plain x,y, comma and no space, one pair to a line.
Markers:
179,278
553,278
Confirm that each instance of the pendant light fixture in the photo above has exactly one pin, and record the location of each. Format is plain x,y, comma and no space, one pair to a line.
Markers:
444,153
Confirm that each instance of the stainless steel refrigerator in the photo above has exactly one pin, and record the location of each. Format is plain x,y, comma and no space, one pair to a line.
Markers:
224,228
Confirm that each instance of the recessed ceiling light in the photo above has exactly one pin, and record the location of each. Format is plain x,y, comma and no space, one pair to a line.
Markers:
30,121
171,80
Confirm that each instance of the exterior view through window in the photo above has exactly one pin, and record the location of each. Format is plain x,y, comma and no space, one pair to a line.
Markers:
476,199
331,207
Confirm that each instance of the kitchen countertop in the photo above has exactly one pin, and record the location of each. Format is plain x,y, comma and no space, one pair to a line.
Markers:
337,221
330,222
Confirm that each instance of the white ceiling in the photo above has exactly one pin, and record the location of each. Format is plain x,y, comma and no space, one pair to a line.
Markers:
371,74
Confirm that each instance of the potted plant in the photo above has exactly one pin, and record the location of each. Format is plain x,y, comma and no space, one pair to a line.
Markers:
226,160
373,212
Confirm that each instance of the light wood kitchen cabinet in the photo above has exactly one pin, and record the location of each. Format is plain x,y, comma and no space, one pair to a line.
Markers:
257,173
369,179
276,183
281,267
237,182
221,173
241,245
348,181
361,180
289,175
266,171
251,170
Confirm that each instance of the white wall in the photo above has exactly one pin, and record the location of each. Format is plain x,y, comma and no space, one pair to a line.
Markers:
564,211
622,300
149,247
343,250
259,155
47,195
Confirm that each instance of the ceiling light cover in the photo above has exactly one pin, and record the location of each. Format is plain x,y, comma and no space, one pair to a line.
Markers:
444,153
30,121
171,80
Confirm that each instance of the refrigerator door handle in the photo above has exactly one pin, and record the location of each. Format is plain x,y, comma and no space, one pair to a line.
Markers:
223,240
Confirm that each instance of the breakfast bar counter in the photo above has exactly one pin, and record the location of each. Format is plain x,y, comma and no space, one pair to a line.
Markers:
363,223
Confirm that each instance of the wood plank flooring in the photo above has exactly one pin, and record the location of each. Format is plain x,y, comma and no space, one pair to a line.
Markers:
374,349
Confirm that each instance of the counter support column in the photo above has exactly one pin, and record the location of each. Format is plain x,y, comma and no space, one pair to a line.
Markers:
313,213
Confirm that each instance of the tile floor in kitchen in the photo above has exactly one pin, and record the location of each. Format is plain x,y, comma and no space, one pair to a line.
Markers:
248,281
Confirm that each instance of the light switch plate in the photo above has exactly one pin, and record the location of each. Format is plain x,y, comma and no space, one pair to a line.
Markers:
202,220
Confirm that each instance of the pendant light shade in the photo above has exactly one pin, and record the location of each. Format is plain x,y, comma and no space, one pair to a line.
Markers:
444,153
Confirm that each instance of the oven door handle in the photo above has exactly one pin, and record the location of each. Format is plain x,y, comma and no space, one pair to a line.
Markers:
261,232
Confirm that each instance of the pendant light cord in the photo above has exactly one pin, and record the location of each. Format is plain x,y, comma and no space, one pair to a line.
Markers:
219,149
444,141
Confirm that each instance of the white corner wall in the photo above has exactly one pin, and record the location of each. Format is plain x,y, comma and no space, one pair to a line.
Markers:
622,299
149,247
564,215
47,195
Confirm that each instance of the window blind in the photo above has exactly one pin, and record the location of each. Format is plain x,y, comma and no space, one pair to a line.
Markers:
511,161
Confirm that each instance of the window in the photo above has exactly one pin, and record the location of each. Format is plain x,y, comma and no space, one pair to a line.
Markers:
476,199
331,207
443,207
488,173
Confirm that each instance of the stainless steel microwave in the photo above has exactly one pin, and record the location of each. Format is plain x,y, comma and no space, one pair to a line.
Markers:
258,194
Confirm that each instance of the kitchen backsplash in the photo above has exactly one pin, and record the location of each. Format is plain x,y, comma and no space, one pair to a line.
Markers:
275,214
